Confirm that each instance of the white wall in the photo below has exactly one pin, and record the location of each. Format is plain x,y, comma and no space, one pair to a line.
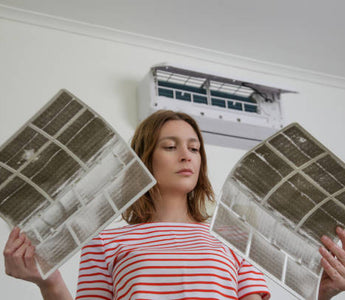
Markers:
103,68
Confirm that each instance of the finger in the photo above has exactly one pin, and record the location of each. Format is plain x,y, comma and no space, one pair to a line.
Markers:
29,258
13,243
14,234
333,262
332,273
341,234
334,248
14,262
18,255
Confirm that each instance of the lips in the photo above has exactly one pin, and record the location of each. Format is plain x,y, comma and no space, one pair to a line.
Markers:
185,172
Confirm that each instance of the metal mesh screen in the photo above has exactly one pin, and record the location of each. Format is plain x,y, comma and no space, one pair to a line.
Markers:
65,175
278,201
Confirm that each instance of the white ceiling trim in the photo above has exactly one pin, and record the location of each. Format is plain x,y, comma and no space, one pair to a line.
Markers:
110,34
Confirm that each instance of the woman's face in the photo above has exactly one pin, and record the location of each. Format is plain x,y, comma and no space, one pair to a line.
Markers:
176,158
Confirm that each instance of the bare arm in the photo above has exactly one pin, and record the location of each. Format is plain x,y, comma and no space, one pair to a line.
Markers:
20,263
333,277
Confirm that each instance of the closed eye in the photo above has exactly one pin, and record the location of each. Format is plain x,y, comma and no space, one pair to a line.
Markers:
194,150
170,148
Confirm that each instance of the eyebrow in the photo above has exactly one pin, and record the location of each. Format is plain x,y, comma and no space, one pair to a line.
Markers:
174,138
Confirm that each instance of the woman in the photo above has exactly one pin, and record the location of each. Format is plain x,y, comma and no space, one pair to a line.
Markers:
166,252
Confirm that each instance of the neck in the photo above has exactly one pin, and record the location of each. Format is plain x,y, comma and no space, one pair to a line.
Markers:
172,208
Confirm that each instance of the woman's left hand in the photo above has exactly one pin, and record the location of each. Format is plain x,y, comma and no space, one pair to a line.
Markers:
333,263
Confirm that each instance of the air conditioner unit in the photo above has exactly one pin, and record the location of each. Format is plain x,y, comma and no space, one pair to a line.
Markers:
230,112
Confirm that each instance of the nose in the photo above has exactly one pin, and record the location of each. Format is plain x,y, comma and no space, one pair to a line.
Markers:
185,154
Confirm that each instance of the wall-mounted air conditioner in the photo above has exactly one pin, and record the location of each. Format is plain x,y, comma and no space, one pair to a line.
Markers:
230,112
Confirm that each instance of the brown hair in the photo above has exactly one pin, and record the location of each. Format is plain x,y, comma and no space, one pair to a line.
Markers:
143,143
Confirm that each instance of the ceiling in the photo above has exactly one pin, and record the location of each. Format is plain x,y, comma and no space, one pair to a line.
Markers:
305,34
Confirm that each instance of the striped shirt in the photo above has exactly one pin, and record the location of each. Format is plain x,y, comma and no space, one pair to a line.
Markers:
164,261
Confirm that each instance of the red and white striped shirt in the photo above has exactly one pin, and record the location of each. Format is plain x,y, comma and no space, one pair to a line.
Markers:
164,261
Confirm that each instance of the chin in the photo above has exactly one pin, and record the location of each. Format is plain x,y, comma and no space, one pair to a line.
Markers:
183,186
180,189
188,189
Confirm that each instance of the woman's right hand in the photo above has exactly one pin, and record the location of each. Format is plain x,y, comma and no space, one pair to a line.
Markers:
20,263
19,258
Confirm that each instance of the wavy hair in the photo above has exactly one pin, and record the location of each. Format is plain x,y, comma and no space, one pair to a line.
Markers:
143,143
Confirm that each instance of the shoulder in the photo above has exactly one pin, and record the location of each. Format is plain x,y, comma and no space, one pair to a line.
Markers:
106,234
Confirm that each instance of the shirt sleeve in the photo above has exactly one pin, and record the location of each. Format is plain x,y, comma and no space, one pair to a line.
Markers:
95,280
251,281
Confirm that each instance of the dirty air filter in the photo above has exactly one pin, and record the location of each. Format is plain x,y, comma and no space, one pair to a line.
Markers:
277,202
64,176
